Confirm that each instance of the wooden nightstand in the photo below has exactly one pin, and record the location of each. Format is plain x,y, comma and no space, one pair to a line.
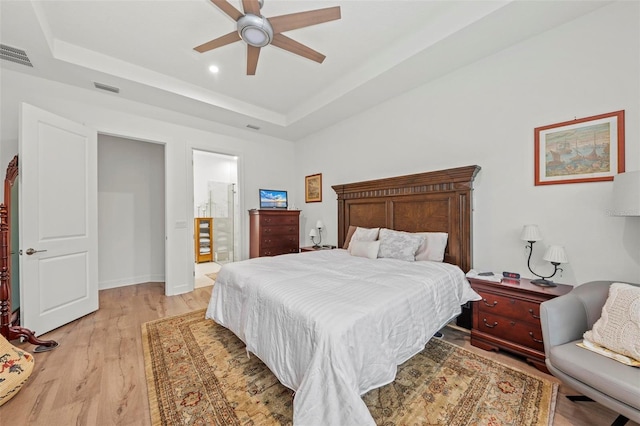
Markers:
312,248
508,317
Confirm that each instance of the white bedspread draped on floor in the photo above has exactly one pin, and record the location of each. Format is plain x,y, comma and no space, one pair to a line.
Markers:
333,326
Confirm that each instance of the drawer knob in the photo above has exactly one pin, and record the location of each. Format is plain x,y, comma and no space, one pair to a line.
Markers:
534,315
488,304
533,338
489,325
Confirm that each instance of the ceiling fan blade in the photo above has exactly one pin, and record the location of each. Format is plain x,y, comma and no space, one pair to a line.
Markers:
251,6
293,21
252,59
228,8
284,42
218,42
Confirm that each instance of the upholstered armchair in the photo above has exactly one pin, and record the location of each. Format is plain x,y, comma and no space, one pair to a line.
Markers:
609,382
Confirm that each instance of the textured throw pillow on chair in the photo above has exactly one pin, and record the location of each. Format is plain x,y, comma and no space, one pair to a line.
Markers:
16,366
618,328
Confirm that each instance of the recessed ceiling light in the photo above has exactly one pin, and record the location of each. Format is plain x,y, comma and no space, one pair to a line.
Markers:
214,69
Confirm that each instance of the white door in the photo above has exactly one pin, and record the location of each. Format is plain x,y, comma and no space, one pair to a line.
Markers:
58,220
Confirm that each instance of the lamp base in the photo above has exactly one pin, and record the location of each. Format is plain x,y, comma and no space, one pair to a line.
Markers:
543,283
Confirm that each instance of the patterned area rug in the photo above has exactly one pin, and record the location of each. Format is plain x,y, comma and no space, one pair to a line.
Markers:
213,276
198,373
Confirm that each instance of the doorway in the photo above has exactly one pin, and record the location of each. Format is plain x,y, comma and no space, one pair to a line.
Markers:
215,212
131,206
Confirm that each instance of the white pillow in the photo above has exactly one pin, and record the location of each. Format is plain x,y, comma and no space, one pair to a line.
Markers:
433,246
399,245
365,234
618,328
368,249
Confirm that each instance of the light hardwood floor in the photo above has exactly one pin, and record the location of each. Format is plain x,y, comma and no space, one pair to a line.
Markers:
96,376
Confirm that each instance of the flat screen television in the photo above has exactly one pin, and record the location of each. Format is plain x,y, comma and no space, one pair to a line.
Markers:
273,199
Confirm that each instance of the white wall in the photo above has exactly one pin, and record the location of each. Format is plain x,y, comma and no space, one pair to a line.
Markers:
262,160
131,223
485,114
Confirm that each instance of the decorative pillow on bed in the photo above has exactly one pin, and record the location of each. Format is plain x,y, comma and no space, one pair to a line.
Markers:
433,246
365,234
618,328
368,249
399,245
347,239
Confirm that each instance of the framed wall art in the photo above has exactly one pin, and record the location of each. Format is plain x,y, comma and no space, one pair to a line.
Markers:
313,188
587,149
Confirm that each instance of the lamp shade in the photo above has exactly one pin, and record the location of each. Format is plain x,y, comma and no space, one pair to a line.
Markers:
531,233
555,254
313,233
319,224
626,194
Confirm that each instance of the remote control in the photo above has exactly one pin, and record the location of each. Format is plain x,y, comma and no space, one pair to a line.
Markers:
485,274
513,275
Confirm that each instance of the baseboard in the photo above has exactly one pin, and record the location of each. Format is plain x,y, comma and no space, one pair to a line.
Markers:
453,325
123,282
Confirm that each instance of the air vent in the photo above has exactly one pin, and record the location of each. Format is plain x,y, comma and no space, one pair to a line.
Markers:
252,127
106,87
14,55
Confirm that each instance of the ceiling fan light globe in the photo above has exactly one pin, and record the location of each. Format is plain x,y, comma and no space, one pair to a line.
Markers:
255,36
255,30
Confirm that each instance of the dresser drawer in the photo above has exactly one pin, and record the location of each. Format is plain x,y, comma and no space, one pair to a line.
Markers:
275,251
521,332
511,307
280,230
279,220
279,240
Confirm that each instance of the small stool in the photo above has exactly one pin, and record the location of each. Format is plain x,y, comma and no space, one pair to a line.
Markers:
16,366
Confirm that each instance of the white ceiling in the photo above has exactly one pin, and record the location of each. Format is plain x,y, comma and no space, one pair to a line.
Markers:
378,49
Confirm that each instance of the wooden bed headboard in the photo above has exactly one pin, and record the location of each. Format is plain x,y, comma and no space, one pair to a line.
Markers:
438,201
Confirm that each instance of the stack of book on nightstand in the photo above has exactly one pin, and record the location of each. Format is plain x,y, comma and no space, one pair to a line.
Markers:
487,276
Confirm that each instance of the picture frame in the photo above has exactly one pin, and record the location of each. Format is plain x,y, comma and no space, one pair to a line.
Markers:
589,149
313,188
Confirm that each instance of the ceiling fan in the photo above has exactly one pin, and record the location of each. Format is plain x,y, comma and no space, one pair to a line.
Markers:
258,31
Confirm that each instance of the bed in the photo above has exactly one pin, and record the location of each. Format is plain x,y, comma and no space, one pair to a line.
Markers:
332,326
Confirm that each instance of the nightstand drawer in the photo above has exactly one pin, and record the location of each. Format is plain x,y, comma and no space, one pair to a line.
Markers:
517,309
512,330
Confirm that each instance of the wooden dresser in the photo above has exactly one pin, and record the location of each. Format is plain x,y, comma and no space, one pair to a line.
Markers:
273,232
508,317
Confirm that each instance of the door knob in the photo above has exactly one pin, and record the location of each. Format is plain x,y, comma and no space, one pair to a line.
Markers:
31,251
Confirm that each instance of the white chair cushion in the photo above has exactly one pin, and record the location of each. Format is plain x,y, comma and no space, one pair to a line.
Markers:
618,328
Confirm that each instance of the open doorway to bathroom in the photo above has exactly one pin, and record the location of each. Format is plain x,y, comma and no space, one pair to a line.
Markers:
215,212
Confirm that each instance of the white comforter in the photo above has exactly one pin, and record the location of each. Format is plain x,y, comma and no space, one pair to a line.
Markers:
332,326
